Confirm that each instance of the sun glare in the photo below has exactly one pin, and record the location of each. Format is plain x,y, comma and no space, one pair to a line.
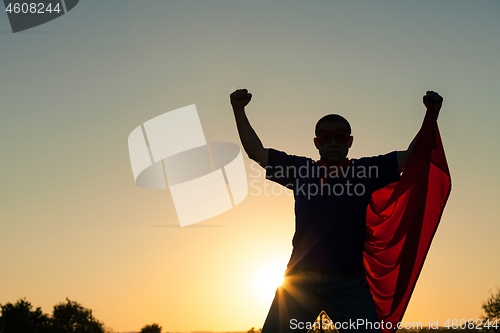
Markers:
268,278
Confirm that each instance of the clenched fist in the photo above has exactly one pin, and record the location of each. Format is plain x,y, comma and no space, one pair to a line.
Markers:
240,98
433,101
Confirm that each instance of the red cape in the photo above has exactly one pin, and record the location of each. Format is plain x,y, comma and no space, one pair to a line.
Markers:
401,221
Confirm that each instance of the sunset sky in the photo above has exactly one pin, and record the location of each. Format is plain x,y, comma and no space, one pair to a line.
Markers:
74,224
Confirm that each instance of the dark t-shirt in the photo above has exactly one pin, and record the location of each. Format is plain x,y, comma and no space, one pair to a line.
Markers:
330,225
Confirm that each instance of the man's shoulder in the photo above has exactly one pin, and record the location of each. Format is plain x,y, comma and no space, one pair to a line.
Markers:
377,159
281,156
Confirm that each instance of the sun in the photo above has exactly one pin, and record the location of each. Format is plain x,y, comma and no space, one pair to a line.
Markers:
268,278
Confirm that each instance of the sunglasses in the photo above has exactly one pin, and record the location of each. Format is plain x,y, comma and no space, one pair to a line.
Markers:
340,135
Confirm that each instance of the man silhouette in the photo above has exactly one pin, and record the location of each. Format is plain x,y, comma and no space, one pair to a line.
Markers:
325,271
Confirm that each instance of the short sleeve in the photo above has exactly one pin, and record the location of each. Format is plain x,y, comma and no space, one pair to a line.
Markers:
281,167
384,170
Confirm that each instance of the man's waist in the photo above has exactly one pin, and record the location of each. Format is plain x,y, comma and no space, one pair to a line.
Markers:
326,273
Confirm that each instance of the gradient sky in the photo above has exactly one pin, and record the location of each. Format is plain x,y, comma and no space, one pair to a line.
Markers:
74,224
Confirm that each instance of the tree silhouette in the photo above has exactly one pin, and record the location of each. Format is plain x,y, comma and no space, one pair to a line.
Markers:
252,330
20,318
154,328
492,309
71,317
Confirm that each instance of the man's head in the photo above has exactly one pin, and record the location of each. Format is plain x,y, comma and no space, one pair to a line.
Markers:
333,138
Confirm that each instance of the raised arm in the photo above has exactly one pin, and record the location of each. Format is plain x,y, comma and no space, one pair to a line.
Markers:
433,101
249,139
